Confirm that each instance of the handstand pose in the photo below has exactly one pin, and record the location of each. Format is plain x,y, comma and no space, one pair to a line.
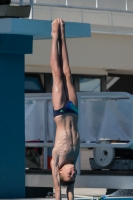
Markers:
67,142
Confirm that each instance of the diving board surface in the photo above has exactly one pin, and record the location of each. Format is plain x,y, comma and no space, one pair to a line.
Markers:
41,29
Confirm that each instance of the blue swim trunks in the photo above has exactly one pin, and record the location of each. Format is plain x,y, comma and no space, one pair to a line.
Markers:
69,107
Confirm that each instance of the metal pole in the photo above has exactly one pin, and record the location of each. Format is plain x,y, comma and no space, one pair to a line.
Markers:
45,133
78,164
82,145
51,12
20,2
31,12
96,3
126,5
82,15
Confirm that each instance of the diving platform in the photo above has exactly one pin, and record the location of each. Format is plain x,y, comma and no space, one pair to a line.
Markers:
41,29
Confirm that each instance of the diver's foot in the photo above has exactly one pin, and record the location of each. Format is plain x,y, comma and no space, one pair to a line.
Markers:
55,29
62,28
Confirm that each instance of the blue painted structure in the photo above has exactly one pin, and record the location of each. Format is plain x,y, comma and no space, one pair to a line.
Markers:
12,139
42,30
16,37
116,198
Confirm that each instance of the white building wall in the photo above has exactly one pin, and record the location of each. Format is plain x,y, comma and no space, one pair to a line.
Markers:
94,17
96,55
108,50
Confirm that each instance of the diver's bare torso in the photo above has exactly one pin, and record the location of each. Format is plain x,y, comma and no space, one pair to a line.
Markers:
67,140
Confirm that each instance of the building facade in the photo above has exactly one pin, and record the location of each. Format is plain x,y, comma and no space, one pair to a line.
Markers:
100,63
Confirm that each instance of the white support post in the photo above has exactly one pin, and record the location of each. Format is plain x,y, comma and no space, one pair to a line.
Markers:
32,6
126,5
82,15
78,164
66,3
54,130
96,3
45,133
51,12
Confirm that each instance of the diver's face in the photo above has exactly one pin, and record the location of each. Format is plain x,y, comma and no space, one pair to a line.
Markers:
68,172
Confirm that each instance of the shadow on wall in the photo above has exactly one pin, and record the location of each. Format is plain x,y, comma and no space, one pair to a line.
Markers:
120,83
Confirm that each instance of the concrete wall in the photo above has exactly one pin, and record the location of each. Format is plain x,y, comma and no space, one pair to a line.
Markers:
108,50
95,17
112,4
100,54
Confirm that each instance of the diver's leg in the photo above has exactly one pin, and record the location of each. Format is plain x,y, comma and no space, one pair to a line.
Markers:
70,90
58,94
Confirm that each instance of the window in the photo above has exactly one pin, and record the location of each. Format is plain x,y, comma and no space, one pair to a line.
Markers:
119,83
33,83
81,83
89,84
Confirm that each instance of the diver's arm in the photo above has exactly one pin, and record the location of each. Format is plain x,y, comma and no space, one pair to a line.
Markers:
55,174
70,192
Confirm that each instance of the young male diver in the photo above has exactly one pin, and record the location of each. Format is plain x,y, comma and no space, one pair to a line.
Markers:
67,139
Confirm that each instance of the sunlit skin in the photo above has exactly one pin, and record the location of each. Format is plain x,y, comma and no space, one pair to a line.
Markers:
69,172
67,140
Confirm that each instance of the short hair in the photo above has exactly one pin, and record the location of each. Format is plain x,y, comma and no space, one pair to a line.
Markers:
65,183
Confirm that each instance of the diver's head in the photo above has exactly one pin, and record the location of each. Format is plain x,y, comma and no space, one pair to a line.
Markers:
67,174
